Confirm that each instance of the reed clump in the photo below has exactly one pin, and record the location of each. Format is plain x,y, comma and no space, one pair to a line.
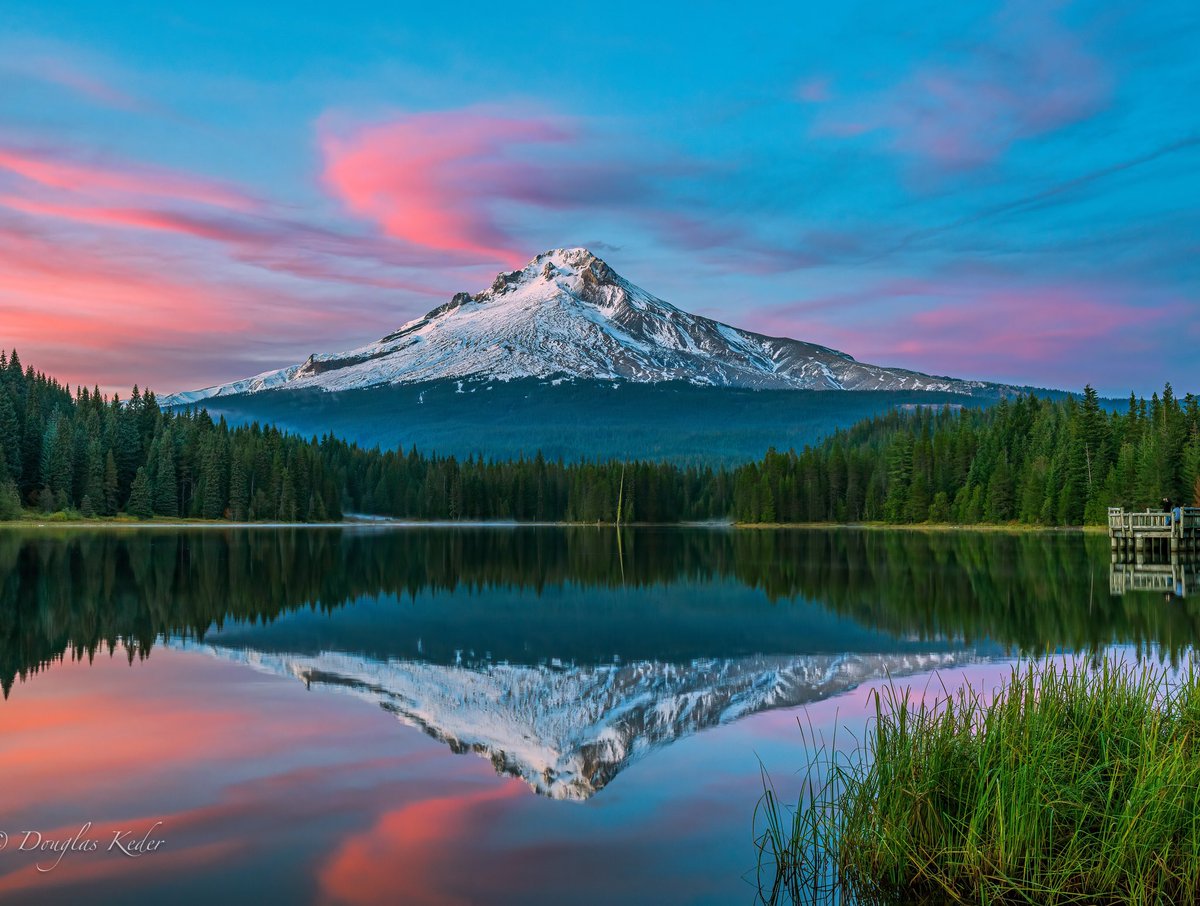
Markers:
1073,783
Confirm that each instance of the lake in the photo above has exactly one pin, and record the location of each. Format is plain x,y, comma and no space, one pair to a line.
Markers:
510,715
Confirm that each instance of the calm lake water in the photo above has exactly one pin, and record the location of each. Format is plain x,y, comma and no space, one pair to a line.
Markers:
509,715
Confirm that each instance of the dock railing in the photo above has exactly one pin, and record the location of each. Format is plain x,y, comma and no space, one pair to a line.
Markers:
1179,529
1183,517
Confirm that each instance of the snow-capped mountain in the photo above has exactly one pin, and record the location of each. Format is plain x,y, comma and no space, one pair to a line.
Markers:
568,314
565,730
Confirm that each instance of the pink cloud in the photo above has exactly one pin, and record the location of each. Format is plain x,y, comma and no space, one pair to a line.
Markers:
1052,334
485,185
298,250
126,217
434,179
189,297
55,172
152,316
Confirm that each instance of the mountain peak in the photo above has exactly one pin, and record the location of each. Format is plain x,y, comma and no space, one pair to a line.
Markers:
568,314
551,266
576,259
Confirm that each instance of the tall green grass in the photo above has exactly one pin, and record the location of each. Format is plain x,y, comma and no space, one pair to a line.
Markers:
1074,783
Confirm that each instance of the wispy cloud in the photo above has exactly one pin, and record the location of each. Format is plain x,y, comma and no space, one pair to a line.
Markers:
161,273
1002,328
814,90
433,179
492,185
53,169
1029,76
68,68
464,182
1063,190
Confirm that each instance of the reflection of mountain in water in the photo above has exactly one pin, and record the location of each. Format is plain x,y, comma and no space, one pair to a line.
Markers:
568,730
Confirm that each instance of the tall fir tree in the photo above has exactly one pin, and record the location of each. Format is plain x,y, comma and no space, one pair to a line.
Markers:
166,483
140,503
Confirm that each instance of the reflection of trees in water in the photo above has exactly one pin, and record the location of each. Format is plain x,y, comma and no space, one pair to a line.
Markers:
1030,591
83,592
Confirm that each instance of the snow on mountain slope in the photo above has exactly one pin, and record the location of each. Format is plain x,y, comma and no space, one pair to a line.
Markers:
567,731
568,314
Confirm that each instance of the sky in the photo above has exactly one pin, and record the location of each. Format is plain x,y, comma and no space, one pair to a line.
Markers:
192,193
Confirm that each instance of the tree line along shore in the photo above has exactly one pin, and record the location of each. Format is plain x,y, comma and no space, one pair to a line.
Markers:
1027,461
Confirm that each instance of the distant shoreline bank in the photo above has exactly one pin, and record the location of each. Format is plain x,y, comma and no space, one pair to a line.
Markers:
1014,528
122,523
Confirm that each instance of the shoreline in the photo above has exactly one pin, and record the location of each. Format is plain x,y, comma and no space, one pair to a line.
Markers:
382,523
1015,528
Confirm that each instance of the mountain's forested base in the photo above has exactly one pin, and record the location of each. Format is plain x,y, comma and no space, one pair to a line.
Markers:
1028,460
571,420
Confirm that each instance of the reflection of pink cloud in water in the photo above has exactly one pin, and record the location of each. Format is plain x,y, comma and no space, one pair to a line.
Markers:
321,796
78,869
228,772
422,843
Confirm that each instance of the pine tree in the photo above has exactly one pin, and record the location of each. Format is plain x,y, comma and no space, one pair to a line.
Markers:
31,440
140,503
166,485
10,435
287,498
127,447
939,510
214,477
94,486
10,500
899,475
1000,495
112,492
239,491
766,500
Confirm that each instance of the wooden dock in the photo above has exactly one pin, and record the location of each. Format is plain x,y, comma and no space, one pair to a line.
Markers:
1154,535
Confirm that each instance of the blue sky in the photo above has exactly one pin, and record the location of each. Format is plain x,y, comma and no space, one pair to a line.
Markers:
996,190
